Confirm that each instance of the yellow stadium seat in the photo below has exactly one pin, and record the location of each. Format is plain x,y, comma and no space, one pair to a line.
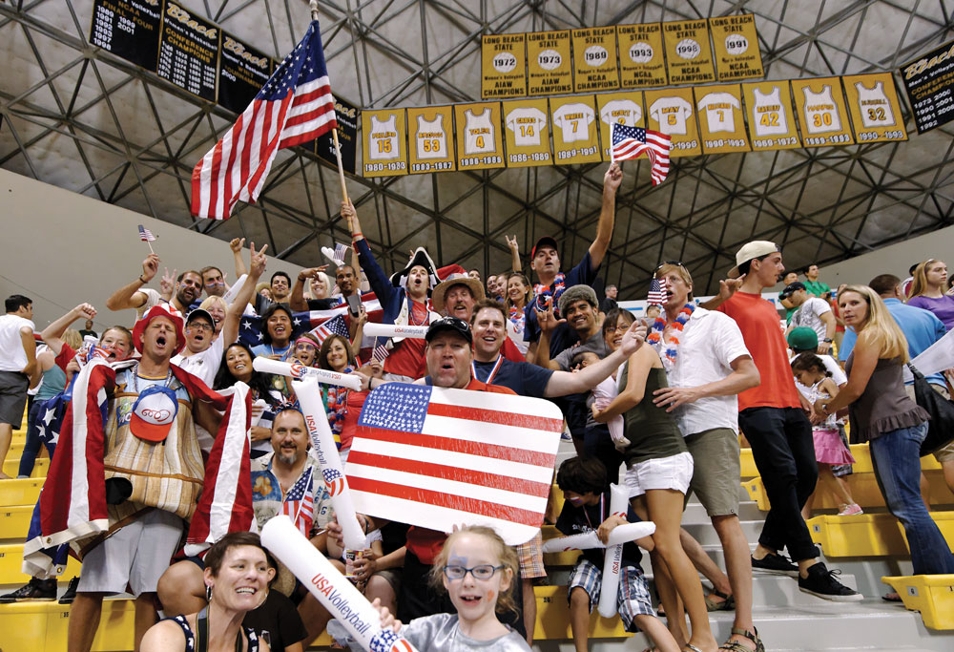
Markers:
932,595
869,535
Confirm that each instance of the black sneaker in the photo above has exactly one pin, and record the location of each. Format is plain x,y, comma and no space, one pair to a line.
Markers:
35,591
70,594
821,582
775,563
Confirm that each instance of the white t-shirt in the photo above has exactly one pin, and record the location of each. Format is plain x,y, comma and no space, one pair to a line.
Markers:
809,314
710,342
205,365
12,355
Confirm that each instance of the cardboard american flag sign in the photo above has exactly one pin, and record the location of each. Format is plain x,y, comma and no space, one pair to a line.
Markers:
443,457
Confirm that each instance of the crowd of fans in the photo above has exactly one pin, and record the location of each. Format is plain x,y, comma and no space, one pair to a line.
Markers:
655,405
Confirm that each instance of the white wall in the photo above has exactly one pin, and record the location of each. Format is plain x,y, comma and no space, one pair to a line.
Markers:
60,248
893,259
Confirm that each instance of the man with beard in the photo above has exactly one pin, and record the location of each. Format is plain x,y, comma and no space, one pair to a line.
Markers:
345,279
136,295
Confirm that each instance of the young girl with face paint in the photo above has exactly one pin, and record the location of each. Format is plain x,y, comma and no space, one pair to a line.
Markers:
477,570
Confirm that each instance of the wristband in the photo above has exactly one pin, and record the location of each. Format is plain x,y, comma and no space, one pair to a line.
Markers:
355,236
142,280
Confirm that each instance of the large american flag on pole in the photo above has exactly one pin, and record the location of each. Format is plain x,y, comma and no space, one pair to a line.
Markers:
442,457
631,142
295,106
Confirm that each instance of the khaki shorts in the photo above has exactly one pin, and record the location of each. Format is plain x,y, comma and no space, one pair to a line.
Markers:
717,475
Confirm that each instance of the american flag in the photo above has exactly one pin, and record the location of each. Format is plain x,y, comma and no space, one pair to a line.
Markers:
446,456
340,251
295,106
145,234
658,289
299,503
380,352
334,326
631,142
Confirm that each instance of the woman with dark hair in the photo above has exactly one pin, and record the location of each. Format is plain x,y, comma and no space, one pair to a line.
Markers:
237,365
336,355
236,578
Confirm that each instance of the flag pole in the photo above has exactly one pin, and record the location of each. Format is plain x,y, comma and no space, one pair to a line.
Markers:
334,132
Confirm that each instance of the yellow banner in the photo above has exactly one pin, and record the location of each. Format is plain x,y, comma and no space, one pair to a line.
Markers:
671,112
430,139
721,120
503,65
875,110
623,108
771,118
479,142
549,66
736,44
594,60
822,112
575,138
527,131
641,60
382,143
688,55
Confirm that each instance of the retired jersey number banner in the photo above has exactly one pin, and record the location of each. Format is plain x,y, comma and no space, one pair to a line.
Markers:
527,132
641,60
431,139
575,136
129,29
618,108
822,111
874,107
688,53
771,116
736,45
479,141
594,60
549,65
671,112
721,120
503,59
929,82
382,143
442,457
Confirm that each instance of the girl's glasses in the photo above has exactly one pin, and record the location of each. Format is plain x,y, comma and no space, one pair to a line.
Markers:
482,572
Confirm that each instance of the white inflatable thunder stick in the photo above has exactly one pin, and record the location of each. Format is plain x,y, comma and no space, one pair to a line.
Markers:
298,371
622,534
613,559
394,330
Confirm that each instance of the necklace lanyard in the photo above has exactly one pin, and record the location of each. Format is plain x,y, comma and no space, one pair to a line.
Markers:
134,377
587,514
202,637
493,372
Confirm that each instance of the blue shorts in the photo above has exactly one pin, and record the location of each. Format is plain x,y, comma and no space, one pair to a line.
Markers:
632,598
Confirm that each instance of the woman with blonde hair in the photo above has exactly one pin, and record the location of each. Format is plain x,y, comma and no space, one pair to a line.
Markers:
894,426
928,291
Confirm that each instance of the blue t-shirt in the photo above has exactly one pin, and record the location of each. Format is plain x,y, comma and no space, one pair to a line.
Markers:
920,327
562,336
522,377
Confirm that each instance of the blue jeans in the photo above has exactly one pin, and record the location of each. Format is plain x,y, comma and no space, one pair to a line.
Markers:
31,447
897,466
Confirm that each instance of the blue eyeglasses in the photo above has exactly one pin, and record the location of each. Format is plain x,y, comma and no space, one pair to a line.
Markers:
482,572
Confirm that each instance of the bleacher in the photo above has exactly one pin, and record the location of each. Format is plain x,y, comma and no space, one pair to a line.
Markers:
865,548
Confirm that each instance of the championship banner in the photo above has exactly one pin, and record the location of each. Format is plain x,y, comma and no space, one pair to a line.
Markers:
382,143
346,116
243,71
721,120
430,139
928,82
736,44
527,133
442,457
594,59
503,65
479,141
671,112
575,138
189,51
641,60
548,63
874,107
771,117
618,108
688,55
822,112
129,29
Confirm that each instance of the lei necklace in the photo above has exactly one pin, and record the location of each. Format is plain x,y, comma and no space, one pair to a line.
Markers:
559,285
517,318
655,337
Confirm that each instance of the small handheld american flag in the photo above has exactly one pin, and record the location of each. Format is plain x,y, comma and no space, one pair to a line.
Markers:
631,142
146,236
658,290
340,251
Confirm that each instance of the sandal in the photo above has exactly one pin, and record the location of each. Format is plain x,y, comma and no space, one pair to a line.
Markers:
726,604
735,646
689,647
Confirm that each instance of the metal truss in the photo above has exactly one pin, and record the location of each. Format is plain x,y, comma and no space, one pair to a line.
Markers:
80,118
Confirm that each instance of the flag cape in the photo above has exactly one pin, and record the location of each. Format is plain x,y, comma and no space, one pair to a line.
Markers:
72,504
442,457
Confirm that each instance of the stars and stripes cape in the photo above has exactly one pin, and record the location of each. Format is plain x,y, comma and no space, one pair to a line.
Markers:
72,505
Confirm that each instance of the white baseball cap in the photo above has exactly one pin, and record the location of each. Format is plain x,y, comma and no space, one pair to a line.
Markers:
751,251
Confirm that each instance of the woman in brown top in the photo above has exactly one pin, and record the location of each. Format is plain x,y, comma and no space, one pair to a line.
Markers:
893,425
659,468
